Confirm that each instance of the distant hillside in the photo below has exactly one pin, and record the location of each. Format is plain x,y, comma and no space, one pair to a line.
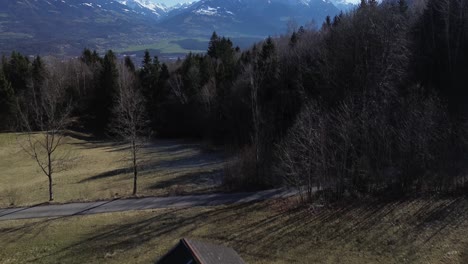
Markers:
65,27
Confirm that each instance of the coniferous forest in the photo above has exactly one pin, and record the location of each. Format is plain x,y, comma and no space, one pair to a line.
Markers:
373,101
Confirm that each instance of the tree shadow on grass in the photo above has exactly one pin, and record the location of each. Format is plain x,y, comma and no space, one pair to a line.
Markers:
195,161
90,141
35,227
159,146
170,146
367,226
464,256
175,166
370,226
195,178
107,174
135,233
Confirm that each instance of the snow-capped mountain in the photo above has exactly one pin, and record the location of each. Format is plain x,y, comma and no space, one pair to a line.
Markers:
146,7
259,17
344,4
181,6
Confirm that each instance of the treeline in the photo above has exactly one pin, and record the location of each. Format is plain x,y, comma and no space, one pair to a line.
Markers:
374,101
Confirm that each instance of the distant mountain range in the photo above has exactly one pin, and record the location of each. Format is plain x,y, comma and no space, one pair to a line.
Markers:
343,5
247,17
65,27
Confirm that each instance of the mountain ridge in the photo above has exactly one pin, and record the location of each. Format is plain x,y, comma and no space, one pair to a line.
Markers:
65,27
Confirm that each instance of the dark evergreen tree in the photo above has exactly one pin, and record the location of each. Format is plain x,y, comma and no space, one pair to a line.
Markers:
18,72
293,39
164,73
105,94
336,21
39,73
440,53
7,102
301,31
212,45
90,58
146,59
328,23
152,88
149,75
129,64
403,6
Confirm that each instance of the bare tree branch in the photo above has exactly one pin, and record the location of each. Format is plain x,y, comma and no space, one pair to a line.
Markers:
43,119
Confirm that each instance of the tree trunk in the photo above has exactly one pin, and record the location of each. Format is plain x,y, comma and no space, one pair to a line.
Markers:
135,173
135,170
51,194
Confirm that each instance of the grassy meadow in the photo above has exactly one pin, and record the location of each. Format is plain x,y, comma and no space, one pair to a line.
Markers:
422,230
408,230
101,171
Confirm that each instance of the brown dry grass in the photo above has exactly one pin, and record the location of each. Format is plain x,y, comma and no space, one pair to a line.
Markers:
422,230
101,172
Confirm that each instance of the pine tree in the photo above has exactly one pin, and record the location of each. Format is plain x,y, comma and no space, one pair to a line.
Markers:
363,4
146,59
403,5
268,52
156,68
106,92
327,23
293,39
300,32
129,64
109,73
150,85
212,45
163,78
164,72
18,72
90,58
149,75
38,73
7,102
336,21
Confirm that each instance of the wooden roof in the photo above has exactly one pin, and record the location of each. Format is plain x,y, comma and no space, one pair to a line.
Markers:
193,251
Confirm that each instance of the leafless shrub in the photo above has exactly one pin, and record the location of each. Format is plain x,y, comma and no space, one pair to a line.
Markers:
207,94
176,85
367,145
317,151
240,172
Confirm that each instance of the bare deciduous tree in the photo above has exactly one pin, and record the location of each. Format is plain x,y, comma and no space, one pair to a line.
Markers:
256,117
130,120
175,83
44,118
